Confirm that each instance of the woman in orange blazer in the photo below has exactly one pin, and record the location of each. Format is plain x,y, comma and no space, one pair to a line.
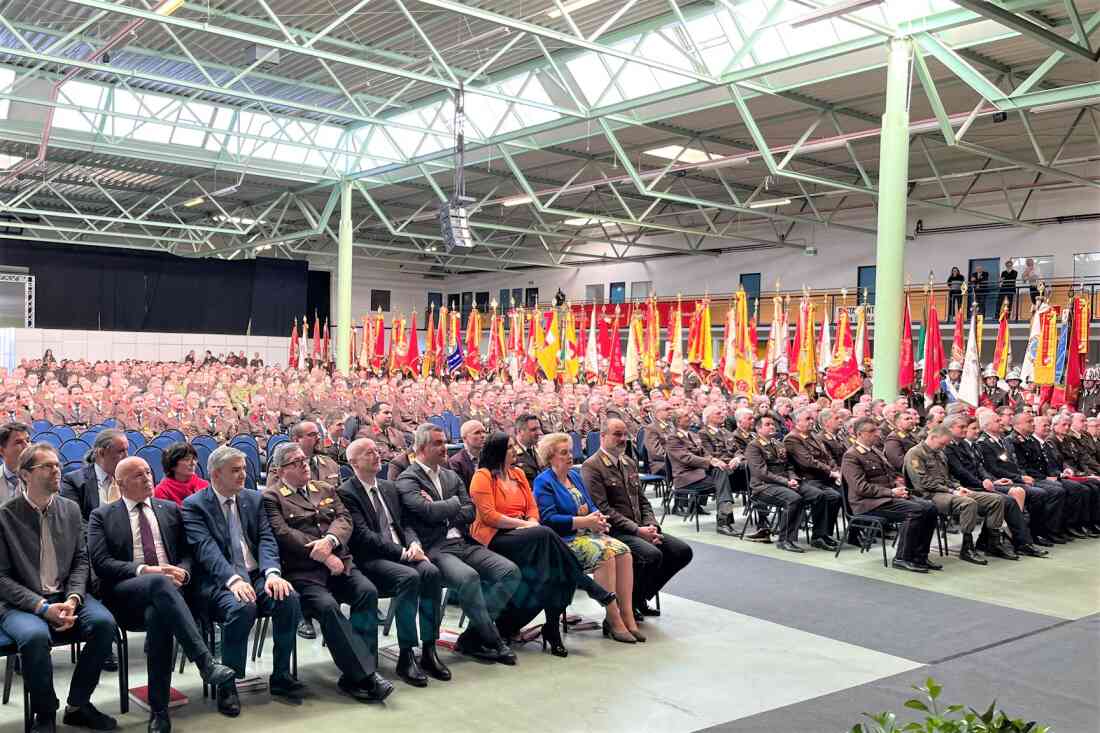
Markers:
507,522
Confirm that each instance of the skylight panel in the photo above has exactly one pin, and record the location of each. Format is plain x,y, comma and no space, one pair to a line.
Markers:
681,154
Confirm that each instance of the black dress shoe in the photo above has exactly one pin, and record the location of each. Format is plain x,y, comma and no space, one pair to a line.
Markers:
409,670
646,609
44,723
229,703
639,617
110,664
971,555
1000,550
1059,539
377,686
821,544
285,686
470,645
431,663
1042,541
86,716
597,592
214,674
907,565
306,630
788,546
504,654
1078,533
726,528
929,563
760,535
1031,551
160,722
1092,531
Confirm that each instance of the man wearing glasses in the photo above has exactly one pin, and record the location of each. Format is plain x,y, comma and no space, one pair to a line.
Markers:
43,576
314,530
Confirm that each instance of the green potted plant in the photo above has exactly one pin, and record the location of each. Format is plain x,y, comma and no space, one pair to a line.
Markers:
949,719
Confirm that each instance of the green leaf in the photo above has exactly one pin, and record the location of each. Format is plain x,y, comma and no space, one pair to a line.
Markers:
857,728
952,709
916,705
933,688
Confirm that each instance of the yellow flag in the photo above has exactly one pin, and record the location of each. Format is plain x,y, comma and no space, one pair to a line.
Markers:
570,361
634,340
707,362
744,380
550,345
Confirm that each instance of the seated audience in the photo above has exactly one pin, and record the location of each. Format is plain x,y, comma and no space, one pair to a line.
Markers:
313,528
565,506
507,522
876,489
464,462
14,438
95,484
439,512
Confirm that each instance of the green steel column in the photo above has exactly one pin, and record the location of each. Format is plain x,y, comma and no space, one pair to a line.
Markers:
893,183
343,282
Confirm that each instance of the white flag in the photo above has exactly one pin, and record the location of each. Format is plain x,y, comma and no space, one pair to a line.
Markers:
970,386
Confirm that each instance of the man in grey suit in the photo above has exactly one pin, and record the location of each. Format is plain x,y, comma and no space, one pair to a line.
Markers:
43,578
439,511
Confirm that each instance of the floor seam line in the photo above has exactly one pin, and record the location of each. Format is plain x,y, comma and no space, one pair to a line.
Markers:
1001,642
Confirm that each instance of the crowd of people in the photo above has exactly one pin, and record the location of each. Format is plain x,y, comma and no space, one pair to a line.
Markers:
367,499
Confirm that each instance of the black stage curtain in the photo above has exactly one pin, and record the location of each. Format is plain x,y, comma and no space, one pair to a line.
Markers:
319,296
97,288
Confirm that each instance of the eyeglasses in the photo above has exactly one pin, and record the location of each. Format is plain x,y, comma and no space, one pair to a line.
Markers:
296,462
53,466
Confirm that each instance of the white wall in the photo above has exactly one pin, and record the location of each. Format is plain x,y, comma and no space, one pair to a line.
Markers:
31,343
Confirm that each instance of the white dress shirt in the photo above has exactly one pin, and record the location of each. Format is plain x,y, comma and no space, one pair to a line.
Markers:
135,532
103,481
433,476
249,560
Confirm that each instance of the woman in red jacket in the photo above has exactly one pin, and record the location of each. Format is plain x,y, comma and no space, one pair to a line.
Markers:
180,462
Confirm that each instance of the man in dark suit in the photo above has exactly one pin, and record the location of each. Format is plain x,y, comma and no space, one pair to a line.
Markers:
612,480
464,463
138,549
14,439
876,489
95,483
528,431
236,560
391,557
313,530
438,511
43,579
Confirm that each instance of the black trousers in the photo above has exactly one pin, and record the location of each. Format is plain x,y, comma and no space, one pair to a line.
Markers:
484,581
549,571
352,643
414,587
824,502
153,602
654,565
1085,496
791,502
1017,523
918,519
719,481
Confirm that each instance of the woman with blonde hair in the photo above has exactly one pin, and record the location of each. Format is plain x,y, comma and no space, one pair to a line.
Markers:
566,507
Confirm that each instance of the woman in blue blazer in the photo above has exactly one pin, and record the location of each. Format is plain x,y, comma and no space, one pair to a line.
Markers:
566,507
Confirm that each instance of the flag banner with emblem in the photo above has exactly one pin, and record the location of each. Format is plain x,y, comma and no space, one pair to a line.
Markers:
1047,351
635,337
1002,350
473,344
933,355
591,350
907,373
1031,351
807,363
744,380
455,359
842,378
550,346
615,368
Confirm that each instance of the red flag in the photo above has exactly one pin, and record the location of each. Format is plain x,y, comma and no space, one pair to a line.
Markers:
292,358
842,378
473,344
326,353
427,362
906,368
616,369
958,348
378,351
531,361
933,353
603,336
316,336
494,359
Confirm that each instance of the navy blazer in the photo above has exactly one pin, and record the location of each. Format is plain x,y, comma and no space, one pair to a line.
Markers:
208,534
111,542
557,508
430,520
82,486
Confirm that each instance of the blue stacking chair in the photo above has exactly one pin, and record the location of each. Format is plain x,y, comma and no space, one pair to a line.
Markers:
41,426
163,441
274,441
71,466
137,440
176,435
73,450
152,455
110,423
591,443
206,440
442,423
578,452
246,438
454,422
64,432
203,451
51,438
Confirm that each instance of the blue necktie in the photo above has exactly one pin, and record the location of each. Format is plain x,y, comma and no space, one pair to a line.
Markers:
235,540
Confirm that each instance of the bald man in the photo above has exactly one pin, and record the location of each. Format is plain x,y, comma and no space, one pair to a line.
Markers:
139,551
464,463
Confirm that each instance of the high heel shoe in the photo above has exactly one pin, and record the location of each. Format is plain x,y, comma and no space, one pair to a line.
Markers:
557,648
610,633
638,636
